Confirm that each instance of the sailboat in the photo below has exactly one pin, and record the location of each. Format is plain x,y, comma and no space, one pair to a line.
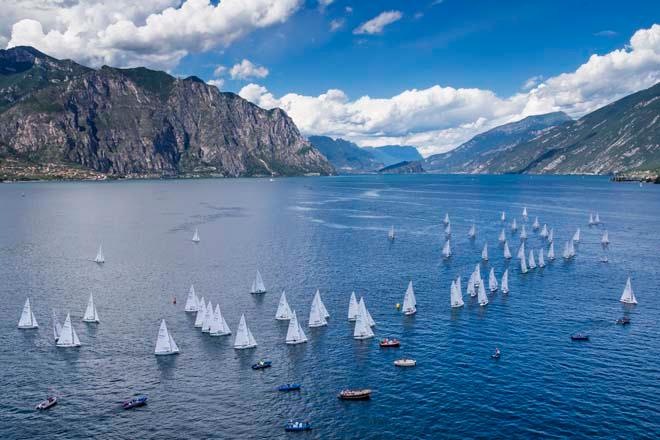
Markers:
201,313
459,289
605,240
507,251
523,233
544,231
455,297
191,301
448,231
473,231
370,320
597,219
165,344
503,216
536,225
100,258
532,262
409,301
27,320
68,336
258,284
295,333
446,220
446,249
484,252
208,319
470,286
628,296
283,310
219,326
551,235
352,308
523,264
502,237
492,281
551,251
591,219
390,234
362,328
324,311
541,260
244,338
514,226
90,312
521,251
571,248
477,275
196,236
505,281
482,297
316,316
576,236
57,327
524,213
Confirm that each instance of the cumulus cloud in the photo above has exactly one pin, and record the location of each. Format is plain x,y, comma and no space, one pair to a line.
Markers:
219,71
336,24
378,23
156,33
532,82
246,70
216,82
440,118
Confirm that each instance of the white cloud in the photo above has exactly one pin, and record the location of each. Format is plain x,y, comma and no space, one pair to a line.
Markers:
378,23
440,118
532,82
246,69
325,3
216,82
155,33
348,9
336,24
219,71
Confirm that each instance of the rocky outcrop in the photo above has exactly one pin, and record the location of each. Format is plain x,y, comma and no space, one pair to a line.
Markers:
142,122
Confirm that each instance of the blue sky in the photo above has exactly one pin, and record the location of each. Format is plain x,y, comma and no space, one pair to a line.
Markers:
426,73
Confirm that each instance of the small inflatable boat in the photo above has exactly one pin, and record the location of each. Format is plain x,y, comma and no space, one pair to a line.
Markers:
289,387
405,362
297,426
580,337
355,394
389,343
51,401
135,402
261,365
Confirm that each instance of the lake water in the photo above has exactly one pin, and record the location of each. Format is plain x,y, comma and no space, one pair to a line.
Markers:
330,234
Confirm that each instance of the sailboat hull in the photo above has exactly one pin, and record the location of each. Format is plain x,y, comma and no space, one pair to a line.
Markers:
362,337
296,342
243,347
92,321
410,312
28,327
258,292
67,345
166,353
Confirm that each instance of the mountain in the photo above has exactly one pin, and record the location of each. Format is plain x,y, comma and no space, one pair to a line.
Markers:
405,167
56,114
471,156
392,154
345,156
622,136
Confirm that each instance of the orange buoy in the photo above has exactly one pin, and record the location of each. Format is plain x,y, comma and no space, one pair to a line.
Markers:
398,306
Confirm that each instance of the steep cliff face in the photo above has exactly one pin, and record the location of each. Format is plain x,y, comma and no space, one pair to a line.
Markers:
139,121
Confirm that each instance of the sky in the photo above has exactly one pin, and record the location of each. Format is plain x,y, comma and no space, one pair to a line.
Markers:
428,73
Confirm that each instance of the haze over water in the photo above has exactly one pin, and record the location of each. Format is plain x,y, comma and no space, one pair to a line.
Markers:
331,234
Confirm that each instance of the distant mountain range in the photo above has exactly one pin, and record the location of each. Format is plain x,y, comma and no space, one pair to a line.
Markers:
348,157
623,136
60,119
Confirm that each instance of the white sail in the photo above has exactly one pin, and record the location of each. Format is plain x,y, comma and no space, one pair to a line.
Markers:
219,326
473,231
201,314
258,284
628,296
27,320
591,219
191,301
571,248
477,274
507,251
100,258
523,233
196,236
484,252
532,262
492,281
505,281
470,286
322,308
455,297
551,235
409,301
605,240
523,264
448,231
524,213
316,317
576,236
544,231
514,226
446,220
90,312
551,251
482,297
521,251
295,333
57,327
567,251
244,338
446,249
390,234
597,219
502,237
362,328
165,344
541,259
68,336
283,310
208,318
370,320
352,308
459,289
503,216
536,224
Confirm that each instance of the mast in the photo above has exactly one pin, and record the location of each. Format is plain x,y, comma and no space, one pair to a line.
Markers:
482,298
90,312
352,308
409,301
191,300
27,320
316,317
295,333
505,281
283,310
484,252
507,251
492,281
244,338
100,258
362,328
628,296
